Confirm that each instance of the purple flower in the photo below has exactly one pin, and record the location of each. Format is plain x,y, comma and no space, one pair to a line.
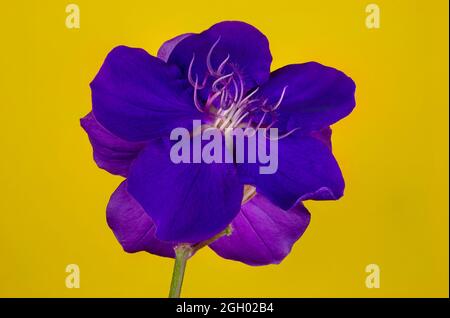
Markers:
221,77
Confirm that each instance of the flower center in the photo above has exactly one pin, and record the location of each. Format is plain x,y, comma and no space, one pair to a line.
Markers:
228,102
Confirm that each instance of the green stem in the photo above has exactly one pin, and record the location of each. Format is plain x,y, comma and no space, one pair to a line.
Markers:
200,245
182,253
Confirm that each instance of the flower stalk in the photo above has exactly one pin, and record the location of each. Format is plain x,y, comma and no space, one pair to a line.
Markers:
182,253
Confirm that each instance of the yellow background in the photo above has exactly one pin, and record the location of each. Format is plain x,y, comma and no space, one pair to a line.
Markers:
393,150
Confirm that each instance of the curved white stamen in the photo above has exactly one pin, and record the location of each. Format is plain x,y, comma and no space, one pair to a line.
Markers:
219,117
284,135
237,122
220,79
261,121
222,100
236,91
191,81
252,101
224,123
234,118
196,102
228,100
208,58
249,95
280,99
231,108
212,98
241,82
222,65
205,79
230,111
271,124
236,114
226,103
249,123
230,116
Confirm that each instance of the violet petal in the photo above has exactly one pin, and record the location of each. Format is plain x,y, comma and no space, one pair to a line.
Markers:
306,169
263,233
167,47
133,227
247,47
111,153
316,96
189,202
139,97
